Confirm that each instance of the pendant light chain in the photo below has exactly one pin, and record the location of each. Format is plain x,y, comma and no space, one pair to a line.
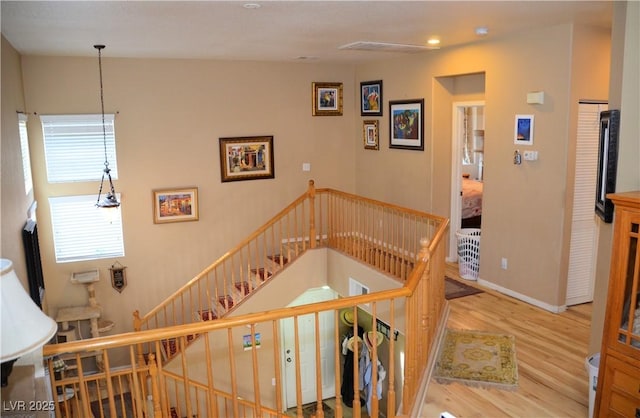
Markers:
104,128
110,200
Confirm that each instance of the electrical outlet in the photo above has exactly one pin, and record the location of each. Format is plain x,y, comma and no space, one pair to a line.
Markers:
503,263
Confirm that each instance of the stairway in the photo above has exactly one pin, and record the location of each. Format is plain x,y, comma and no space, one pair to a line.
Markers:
225,303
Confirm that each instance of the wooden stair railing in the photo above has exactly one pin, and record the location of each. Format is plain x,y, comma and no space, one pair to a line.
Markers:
382,235
226,381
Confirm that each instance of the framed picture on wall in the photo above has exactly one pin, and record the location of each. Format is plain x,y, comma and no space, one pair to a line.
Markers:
327,99
406,124
607,163
523,131
175,205
246,158
370,134
371,98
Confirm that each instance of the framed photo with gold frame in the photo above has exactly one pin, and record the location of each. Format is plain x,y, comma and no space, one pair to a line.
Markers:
246,158
327,99
370,134
175,205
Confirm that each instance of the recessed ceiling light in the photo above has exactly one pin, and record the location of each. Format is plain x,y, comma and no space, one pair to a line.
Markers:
482,31
433,41
251,6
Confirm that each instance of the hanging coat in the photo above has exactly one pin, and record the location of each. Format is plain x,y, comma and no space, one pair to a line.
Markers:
368,386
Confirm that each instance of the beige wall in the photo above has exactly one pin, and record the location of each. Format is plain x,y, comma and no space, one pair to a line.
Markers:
171,114
523,207
15,203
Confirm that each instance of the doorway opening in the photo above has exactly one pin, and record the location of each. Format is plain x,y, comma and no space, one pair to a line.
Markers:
467,169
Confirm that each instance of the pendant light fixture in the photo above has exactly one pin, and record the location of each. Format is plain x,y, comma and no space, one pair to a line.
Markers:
110,200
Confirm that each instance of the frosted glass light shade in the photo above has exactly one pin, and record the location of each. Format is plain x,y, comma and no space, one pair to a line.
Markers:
25,327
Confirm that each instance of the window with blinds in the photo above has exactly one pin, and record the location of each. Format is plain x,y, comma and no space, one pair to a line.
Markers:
75,152
24,150
81,230
74,147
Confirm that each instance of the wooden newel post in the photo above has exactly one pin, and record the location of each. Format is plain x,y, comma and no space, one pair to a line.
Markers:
155,390
137,325
312,214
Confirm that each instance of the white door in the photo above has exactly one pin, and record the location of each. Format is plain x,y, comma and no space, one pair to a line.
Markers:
466,156
307,351
584,228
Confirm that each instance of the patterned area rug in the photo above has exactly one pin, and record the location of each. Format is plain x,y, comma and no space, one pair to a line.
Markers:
455,289
477,358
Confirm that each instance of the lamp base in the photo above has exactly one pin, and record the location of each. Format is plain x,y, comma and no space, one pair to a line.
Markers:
7,368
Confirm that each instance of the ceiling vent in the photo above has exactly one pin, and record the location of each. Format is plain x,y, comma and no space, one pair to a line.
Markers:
386,47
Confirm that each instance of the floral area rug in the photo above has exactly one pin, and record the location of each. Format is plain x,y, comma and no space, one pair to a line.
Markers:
478,359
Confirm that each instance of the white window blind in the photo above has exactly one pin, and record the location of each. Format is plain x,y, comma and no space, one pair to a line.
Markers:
82,232
74,147
24,149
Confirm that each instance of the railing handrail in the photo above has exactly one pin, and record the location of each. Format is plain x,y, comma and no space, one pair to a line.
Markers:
138,337
382,204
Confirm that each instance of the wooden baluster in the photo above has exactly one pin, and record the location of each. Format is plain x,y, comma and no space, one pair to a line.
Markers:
356,357
137,326
374,363
391,393
312,214
277,364
319,408
296,339
256,375
155,390
338,351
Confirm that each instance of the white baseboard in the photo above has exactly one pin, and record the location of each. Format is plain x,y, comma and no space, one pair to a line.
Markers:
524,298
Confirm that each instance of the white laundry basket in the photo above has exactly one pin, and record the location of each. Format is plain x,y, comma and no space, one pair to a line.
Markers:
469,252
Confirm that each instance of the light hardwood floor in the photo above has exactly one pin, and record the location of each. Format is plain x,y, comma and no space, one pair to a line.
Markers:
550,351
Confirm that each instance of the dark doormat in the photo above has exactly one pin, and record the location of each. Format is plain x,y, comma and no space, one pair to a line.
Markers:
309,410
454,289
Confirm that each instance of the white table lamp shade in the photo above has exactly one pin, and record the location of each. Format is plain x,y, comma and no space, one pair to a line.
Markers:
25,327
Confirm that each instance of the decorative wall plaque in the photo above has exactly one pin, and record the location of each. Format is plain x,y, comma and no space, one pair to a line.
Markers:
118,277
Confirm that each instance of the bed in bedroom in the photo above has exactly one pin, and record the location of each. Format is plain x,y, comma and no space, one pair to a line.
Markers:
471,203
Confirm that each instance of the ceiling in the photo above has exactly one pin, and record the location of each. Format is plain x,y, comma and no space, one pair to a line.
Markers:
276,30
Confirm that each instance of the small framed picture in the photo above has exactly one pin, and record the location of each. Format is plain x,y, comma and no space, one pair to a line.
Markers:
371,98
370,134
327,99
246,158
523,132
607,163
248,341
406,124
175,205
